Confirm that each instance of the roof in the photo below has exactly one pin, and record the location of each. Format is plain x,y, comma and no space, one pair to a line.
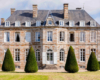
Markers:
26,15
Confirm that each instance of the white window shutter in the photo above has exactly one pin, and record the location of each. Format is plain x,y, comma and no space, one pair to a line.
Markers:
43,57
5,37
55,57
28,37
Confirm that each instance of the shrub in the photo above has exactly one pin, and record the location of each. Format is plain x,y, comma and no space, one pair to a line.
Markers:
8,63
71,63
31,63
99,64
92,63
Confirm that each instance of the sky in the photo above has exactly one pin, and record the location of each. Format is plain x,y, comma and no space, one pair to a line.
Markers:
92,7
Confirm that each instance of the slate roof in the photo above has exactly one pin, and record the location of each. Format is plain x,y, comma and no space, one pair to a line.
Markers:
26,15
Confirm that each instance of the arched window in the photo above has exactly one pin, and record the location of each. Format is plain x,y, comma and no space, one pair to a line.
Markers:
49,55
38,55
61,55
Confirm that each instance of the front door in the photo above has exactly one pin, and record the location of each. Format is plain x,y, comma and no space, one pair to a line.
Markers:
49,57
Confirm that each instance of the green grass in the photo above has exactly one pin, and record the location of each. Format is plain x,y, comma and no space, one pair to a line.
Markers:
50,76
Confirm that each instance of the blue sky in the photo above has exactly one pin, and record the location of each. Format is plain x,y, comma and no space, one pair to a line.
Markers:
91,6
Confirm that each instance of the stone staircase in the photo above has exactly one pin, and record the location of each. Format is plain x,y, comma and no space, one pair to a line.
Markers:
50,67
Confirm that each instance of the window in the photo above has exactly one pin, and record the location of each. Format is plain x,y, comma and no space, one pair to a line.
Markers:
71,23
6,37
82,54
49,36
92,23
38,23
82,67
27,24
49,22
26,51
62,36
17,23
93,36
82,36
37,55
93,50
37,36
17,36
61,55
7,23
28,37
61,23
5,50
17,66
72,37
82,23
17,54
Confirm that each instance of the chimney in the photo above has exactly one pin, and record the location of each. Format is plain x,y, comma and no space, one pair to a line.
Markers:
35,11
78,8
12,10
66,11
2,21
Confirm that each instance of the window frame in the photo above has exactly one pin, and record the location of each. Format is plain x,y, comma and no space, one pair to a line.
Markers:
82,22
30,37
37,37
82,60
6,25
17,23
26,54
38,58
19,36
62,36
70,36
92,22
5,35
26,24
83,36
38,23
71,23
50,37
61,55
61,23
17,55
49,22
94,36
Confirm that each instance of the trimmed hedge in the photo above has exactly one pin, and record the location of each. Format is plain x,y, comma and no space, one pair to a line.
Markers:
99,64
71,64
8,63
93,64
31,63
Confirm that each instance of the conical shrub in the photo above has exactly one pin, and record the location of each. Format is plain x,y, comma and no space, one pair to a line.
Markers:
8,63
92,64
71,64
31,63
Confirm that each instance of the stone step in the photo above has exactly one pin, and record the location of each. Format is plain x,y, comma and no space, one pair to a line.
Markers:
50,67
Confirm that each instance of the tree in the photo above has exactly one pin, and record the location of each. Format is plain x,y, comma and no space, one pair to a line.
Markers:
31,63
92,63
71,63
8,63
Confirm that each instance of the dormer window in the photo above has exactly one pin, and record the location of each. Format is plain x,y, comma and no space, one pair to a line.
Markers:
92,23
38,23
27,24
49,22
61,23
71,23
82,23
17,23
7,24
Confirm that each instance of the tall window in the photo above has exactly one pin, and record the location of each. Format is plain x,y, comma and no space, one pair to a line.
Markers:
82,23
37,36
71,23
17,36
6,37
26,51
82,36
17,54
7,23
17,23
93,50
28,36
62,36
82,54
92,23
93,36
61,23
38,55
49,36
61,55
27,24
38,23
72,37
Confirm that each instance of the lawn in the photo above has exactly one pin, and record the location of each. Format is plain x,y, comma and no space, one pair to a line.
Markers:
50,76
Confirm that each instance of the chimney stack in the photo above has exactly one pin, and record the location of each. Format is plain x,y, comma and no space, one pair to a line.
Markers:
12,10
35,9
66,11
78,8
2,21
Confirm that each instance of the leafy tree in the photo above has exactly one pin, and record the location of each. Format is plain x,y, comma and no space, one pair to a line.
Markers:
92,63
8,63
71,64
31,63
